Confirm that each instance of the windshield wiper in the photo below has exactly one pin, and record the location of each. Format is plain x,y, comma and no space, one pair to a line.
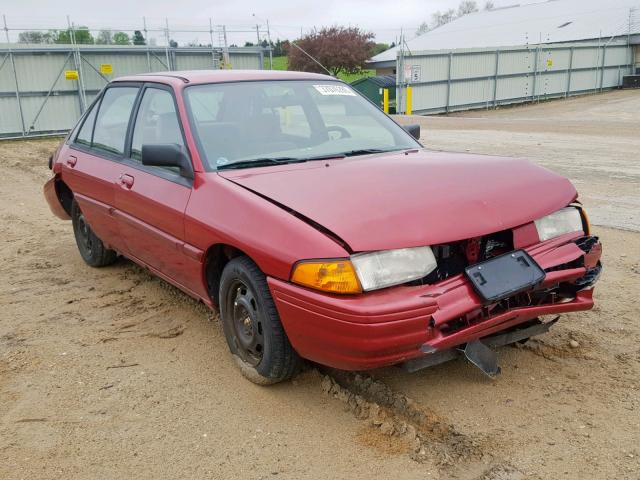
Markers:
261,162
366,151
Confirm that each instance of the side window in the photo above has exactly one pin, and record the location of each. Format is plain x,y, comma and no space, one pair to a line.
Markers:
86,132
113,119
156,122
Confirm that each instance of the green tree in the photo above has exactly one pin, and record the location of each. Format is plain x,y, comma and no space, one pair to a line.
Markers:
121,38
379,48
81,35
34,36
138,38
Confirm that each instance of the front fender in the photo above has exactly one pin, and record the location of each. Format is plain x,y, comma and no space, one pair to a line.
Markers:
222,212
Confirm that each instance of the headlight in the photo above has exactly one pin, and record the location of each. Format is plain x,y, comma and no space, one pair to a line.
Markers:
365,271
558,223
393,267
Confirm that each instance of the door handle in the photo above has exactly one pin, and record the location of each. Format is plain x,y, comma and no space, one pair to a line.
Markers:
71,161
126,181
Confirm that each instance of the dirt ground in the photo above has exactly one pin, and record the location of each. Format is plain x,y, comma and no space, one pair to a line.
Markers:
112,373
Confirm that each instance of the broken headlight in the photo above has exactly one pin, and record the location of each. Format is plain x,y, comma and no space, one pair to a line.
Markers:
393,267
558,223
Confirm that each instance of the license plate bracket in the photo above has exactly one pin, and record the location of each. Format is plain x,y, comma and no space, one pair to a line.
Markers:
504,276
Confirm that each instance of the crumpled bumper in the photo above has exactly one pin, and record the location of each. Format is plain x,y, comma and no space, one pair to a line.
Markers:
397,324
51,196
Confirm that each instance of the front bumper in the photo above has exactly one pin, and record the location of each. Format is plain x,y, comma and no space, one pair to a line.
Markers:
51,196
397,324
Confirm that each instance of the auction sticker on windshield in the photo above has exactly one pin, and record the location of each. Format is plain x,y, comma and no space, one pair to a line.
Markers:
334,90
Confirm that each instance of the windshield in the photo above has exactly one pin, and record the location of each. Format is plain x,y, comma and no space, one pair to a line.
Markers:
246,124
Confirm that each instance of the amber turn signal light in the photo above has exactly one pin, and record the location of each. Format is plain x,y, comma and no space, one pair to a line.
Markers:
334,276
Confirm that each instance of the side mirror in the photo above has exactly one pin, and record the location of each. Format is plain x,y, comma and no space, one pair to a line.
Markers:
413,130
167,155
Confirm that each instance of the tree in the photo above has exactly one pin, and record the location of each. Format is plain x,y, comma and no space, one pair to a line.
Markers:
104,37
81,35
34,36
138,38
339,49
466,7
378,48
173,43
281,48
248,44
121,38
442,18
489,5
423,28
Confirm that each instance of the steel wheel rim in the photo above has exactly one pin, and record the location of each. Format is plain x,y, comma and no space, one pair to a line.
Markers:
85,234
246,323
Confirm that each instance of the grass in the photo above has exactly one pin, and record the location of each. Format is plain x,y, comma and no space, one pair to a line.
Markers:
280,63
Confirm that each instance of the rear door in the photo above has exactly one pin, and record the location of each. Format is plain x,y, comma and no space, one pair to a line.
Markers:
151,201
91,162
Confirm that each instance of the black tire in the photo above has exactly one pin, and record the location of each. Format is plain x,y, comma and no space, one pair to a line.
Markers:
252,327
91,248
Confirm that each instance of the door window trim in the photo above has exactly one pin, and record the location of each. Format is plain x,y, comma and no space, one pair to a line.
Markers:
125,157
157,171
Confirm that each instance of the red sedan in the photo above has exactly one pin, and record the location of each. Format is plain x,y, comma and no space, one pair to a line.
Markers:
319,227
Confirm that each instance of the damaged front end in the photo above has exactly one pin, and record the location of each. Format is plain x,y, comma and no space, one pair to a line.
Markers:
466,323
444,314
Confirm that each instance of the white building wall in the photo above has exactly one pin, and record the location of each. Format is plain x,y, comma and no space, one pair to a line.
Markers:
479,78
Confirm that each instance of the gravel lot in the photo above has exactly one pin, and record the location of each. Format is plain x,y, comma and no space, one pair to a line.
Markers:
112,373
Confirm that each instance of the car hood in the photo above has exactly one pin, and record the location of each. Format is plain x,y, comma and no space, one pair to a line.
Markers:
399,200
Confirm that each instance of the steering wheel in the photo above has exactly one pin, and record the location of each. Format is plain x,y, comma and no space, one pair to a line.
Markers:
344,133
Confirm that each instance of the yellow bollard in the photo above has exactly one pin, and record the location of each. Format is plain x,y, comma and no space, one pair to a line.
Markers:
385,100
409,95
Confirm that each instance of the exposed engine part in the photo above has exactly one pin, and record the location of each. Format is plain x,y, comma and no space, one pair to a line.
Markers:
454,257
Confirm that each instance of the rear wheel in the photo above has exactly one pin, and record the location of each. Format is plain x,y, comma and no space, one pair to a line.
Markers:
91,248
252,327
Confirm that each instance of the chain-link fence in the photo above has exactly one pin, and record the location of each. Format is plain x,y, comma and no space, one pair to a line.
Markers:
49,75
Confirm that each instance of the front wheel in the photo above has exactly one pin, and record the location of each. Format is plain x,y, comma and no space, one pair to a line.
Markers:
252,327
91,248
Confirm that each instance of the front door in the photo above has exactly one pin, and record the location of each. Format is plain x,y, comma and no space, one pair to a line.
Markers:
151,201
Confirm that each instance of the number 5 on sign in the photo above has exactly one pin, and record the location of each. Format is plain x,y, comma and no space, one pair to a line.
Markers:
71,75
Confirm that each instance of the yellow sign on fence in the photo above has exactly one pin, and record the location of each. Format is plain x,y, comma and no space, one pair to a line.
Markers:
550,63
71,75
106,68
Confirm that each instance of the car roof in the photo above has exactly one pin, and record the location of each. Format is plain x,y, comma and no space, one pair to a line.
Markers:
218,76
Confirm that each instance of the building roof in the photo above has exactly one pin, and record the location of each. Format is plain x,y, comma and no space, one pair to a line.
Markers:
383,81
551,21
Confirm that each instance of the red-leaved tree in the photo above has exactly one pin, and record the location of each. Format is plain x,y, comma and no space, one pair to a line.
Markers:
339,49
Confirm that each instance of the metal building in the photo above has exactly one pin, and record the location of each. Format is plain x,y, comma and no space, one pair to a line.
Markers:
553,48
45,88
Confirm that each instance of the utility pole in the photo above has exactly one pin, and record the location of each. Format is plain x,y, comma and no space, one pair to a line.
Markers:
258,34
270,46
146,41
15,75
166,50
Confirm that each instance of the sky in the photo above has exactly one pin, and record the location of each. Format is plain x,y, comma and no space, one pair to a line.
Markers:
287,18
